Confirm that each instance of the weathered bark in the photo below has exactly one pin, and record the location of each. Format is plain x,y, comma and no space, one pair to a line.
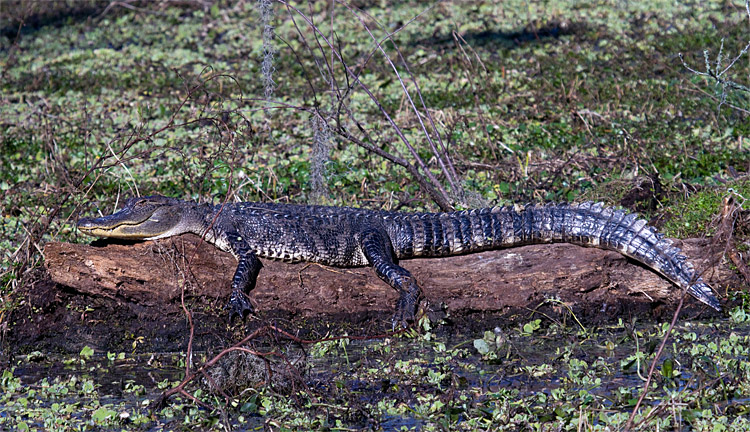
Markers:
150,274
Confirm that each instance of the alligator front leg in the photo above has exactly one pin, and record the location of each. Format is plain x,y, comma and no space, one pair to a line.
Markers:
248,267
379,252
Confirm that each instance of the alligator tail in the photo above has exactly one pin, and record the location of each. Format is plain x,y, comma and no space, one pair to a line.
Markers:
586,224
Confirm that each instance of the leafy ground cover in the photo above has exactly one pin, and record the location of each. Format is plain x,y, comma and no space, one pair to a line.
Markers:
533,376
534,101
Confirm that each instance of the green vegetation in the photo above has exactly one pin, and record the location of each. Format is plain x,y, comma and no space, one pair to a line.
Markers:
534,101
697,212
532,377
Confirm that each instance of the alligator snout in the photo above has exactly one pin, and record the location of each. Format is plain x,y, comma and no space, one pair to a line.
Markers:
86,222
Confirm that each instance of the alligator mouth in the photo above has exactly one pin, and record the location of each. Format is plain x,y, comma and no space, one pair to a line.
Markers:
90,226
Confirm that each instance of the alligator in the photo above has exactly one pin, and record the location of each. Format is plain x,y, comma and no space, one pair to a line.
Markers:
352,237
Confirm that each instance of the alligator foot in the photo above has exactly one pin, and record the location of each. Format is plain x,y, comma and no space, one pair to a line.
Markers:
238,305
406,307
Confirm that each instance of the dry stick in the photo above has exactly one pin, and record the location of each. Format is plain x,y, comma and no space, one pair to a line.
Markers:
450,175
479,60
189,376
362,65
188,314
195,253
660,407
629,423
341,98
99,164
304,70
699,90
441,199
334,85
342,106
333,79
470,78
715,74
340,131
378,151
335,89
444,205
136,138
180,388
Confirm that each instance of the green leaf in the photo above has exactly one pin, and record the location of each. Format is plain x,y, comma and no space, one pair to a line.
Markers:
86,352
481,346
88,386
102,415
667,368
532,326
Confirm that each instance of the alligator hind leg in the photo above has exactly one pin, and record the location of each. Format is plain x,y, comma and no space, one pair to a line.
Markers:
379,252
243,281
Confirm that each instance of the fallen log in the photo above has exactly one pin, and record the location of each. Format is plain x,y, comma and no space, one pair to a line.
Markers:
152,274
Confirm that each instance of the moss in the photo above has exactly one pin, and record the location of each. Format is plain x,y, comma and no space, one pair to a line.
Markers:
694,216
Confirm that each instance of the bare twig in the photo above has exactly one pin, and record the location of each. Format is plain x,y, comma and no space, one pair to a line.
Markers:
716,72
431,185
647,384
443,160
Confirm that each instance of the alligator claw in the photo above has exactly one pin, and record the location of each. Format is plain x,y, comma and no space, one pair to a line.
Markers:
402,319
238,305
406,308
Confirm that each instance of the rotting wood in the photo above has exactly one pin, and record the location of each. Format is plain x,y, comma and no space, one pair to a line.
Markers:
149,273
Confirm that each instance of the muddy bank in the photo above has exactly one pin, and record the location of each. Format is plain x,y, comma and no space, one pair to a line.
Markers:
116,296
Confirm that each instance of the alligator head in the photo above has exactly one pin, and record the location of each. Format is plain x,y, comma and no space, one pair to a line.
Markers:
141,218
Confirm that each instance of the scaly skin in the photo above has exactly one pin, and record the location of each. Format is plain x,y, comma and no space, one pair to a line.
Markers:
350,237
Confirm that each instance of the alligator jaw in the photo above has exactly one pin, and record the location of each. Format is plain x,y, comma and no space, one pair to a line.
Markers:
98,228
143,218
